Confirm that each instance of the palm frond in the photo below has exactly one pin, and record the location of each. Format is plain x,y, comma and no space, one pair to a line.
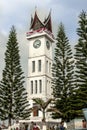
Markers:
54,110
38,101
47,102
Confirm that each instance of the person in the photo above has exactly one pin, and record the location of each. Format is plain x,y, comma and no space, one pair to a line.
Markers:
31,125
35,127
53,128
28,127
62,125
84,123
57,127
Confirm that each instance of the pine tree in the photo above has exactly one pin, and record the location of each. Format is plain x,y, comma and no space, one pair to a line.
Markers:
63,74
81,64
13,93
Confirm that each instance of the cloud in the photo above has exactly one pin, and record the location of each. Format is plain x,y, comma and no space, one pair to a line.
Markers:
71,4
14,6
2,51
67,12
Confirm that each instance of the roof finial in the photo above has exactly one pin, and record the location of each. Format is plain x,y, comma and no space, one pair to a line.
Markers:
35,8
50,10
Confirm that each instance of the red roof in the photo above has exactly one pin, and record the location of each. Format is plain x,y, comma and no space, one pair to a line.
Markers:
37,24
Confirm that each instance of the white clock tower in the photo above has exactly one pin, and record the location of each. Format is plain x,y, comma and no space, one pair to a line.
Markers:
40,39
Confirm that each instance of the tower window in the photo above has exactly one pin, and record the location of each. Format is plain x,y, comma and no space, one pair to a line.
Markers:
40,86
49,67
31,87
39,65
35,86
46,66
33,66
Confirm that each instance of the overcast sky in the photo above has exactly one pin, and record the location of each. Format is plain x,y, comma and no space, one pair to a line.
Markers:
18,13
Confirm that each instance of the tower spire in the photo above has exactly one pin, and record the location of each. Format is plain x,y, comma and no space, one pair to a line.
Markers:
35,8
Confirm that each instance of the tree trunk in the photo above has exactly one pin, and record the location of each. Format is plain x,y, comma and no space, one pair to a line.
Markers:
9,121
44,119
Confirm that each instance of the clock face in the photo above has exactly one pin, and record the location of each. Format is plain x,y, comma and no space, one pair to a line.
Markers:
37,44
48,44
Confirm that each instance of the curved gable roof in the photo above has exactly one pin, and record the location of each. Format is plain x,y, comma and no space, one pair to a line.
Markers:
37,24
47,22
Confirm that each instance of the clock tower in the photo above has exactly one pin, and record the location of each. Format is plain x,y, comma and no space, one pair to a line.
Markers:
39,80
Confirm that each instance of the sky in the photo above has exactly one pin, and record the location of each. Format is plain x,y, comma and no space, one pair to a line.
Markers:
18,13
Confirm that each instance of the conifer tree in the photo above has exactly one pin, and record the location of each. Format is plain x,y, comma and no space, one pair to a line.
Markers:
13,93
63,74
81,64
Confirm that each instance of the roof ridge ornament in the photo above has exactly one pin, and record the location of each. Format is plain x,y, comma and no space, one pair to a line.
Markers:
36,23
35,8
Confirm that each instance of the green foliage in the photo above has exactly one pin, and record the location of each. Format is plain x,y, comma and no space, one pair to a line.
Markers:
81,63
13,93
63,71
43,106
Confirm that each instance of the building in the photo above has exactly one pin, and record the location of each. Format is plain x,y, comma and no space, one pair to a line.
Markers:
40,40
